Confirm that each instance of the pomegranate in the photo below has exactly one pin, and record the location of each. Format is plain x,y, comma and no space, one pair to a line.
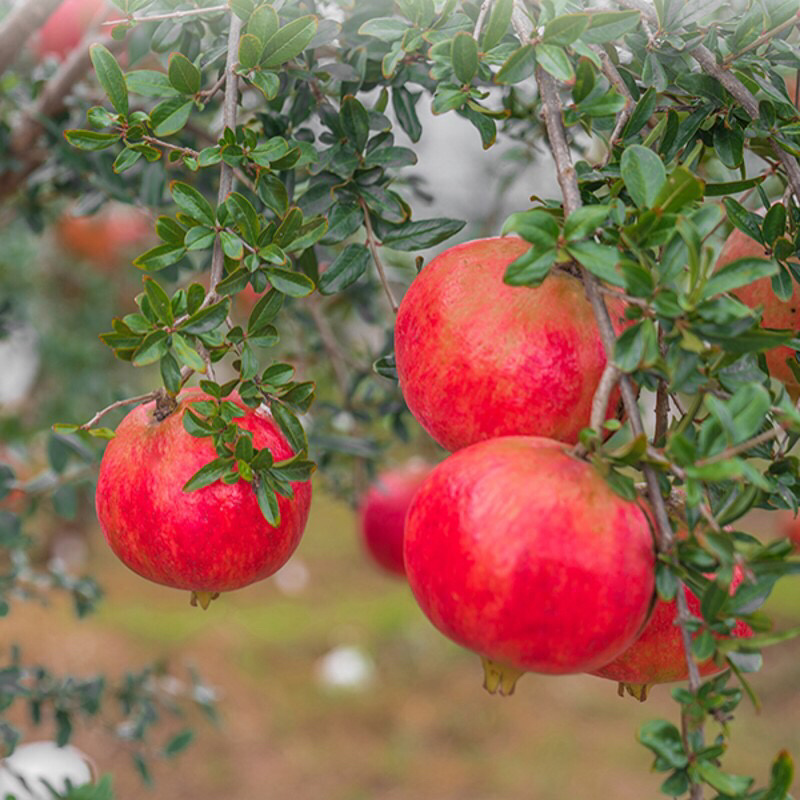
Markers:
106,238
382,513
790,527
208,541
777,313
657,656
66,27
522,553
477,358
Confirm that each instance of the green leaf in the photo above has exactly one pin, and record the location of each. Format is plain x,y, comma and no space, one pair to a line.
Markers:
643,174
642,112
554,60
110,76
149,83
125,160
731,187
90,140
268,83
191,202
170,115
207,319
601,260
422,233
152,349
272,193
208,474
738,273
610,26
292,284
464,55
774,223
187,354
268,503
178,743
251,49
681,189
485,125
746,221
725,782
263,22
564,30
101,433
664,739
387,29
159,301
310,233
170,373
244,215
345,270
390,157
159,257
183,75
289,41
355,122
518,66
584,221
729,144
781,777
497,27
531,268
199,238
290,426
404,105
536,226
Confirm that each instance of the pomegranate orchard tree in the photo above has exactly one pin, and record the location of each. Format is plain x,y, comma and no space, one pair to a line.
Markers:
271,143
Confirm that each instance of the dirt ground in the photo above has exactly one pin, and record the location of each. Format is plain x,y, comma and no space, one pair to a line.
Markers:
422,729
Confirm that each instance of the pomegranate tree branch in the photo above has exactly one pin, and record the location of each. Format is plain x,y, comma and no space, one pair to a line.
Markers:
142,398
763,39
485,5
615,79
328,339
229,102
608,380
191,12
372,244
19,24
738,449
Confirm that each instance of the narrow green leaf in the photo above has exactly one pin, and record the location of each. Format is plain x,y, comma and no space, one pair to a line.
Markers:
554,60
345,270
152,349
290,426
289,41
191,202
159,257
497,27
565,29
178,743
422,233
187,354
90,140
170,115
208,474
739,273
183,75
292,284
354,120
518,66
267,502
207,319
159,301
110,76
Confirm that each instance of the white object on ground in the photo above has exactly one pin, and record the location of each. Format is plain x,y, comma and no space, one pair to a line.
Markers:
33,767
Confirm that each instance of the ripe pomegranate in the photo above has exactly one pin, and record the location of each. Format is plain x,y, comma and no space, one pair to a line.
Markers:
790,527
657,656
211,540
477,358
382,513
521,552
66,27
777,313
107,238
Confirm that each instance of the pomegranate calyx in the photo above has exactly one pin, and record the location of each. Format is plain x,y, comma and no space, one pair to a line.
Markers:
637,690
203,599
500,678
165,405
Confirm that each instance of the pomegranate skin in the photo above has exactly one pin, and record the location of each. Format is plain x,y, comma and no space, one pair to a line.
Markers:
382,514
211,540
66,27
522,553
478,359
657,656
777,313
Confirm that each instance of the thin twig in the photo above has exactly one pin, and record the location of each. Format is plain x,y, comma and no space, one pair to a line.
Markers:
207,94
191,12
662,412
737,449
188,151
615,79
372,244
228,121
328,339
602,395
485,5
763,39
19,24
142,398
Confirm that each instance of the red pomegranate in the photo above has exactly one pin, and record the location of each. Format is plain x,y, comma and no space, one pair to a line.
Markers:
107,238
522,553
777,313
790,527
382,513
66,27
211,540
477,358
657,656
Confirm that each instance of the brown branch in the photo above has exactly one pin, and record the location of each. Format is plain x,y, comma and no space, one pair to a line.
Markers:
228,121
372,244
608,380
615,79
662,412
763,39
191,12
142,398
19,24
738,449
485,5
51,102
